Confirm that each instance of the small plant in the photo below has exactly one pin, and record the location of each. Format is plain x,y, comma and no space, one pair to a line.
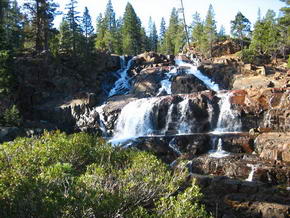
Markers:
288,62
12,117
248,56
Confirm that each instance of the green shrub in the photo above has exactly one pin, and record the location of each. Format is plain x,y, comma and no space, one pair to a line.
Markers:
288,62
247,56
12,117
80,175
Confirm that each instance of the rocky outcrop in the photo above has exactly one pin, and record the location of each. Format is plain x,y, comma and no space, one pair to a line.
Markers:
227,47
266,108
273,146
240,167
226,197
221,72
146,84
186,83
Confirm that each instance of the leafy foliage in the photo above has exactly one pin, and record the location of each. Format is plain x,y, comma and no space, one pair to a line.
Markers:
79,175
11,117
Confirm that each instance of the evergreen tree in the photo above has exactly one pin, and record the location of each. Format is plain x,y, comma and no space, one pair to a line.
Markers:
197,31
42,13
265,35
153,37
100,33
110,19
284,28
87,30
162,33
4,5
210,30
108,37
14,26
65,36
73,19
222,33
241,27
175,37
131,31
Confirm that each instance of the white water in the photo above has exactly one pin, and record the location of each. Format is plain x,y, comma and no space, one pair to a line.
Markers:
228,120
252,172
122,85
192,69
183,124
219,152
134,120
166,83
172,145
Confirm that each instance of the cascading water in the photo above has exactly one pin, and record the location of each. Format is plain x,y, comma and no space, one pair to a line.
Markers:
219,152
166,83
192,69
228,120
252,172
134,120
183,124
122,85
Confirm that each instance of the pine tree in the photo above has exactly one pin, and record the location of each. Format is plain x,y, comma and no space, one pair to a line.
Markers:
87,30
210,30
110,19
175,37
241,27
131,31
4,5
108,37
65,36
162,32
100,33
265,35
197,30
284,28
222,33
73,19
42,13
153,37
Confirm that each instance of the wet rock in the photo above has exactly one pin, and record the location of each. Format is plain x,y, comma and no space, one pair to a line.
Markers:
183,84
240,166
147,82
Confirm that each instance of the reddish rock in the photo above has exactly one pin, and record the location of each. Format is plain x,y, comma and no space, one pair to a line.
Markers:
273,146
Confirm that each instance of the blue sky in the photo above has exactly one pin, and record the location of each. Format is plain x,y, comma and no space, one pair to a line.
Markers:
225,10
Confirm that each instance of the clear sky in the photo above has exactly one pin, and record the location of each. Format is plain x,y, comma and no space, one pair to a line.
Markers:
225,10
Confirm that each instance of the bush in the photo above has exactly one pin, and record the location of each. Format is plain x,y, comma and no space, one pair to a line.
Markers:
80,175
247,56
289,62
11,117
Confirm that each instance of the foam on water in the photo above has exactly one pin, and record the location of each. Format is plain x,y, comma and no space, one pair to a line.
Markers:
122,85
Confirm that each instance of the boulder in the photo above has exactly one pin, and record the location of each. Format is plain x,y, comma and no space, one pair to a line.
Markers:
183,84
10,133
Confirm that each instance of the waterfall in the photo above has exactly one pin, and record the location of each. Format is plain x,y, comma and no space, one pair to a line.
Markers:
252,172
229,120
183,124
122,85
135,120
166,83
192,69
219,152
